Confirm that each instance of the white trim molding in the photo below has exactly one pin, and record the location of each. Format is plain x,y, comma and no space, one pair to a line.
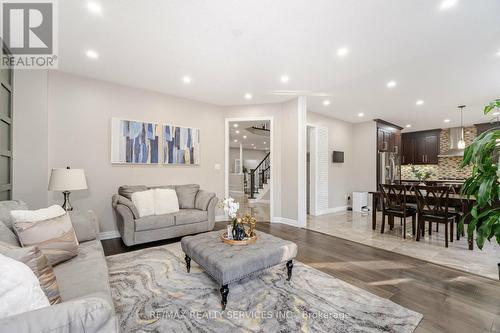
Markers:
302,161
331,210
287,221
109,235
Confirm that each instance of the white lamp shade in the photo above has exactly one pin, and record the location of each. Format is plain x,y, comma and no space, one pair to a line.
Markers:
67,180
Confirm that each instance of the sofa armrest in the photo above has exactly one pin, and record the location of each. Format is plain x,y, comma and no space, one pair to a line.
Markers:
121,200
86,225
202,199
211,211
125,219
90,314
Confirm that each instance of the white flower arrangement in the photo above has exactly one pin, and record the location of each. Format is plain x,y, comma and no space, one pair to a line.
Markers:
230,207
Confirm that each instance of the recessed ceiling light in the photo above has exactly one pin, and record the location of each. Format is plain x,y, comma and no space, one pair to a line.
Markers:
235,125
92,54
447,120
284,78
237,132
235,140
342,52
94,7
361,114
253,145
392,84
265,142
419,102
326,102
498,53
244,136
408,126
447,4
248,96
186,79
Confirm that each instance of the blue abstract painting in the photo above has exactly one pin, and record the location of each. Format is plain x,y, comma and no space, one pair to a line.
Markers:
181,145
134,142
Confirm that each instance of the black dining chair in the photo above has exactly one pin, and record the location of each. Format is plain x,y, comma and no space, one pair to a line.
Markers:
433,206
394,205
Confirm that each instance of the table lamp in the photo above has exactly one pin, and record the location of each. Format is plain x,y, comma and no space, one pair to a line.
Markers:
67,180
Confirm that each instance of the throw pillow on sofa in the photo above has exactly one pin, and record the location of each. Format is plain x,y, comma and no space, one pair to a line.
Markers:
38,263
166,201
144,201
187,195
54,236
20,290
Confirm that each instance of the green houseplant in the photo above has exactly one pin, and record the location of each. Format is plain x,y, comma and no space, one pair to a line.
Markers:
421,176
484,184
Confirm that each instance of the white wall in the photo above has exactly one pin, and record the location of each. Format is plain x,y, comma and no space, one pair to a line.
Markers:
80,111
30,144
364,163
248,154
340,138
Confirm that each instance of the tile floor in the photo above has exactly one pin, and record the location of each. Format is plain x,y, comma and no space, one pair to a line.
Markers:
259,210
357,227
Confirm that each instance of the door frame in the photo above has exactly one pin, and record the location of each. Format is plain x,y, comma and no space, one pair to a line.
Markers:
313,165
271,148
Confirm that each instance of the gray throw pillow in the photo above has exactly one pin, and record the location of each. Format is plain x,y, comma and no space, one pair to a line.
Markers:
6,207
127,190
203,199
187,195
8,236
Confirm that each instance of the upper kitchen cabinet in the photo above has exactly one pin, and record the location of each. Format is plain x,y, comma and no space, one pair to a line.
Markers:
388,137
421,147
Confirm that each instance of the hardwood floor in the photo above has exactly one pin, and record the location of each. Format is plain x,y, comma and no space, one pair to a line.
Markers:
450,300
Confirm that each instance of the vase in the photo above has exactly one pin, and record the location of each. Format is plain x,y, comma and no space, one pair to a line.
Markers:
238,232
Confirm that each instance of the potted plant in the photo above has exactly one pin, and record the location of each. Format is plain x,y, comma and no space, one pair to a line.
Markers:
484,184
236,231
420,175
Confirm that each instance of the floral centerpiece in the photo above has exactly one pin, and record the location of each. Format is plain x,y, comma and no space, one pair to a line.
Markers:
421,175
240,228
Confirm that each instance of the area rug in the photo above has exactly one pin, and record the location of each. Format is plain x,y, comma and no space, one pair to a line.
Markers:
153,292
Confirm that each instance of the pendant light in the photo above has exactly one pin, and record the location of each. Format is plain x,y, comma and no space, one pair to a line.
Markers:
461,142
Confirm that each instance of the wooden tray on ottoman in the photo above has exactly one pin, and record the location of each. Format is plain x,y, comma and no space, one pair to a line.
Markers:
245,241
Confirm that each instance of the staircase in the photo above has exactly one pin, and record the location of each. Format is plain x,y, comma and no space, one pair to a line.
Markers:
259,180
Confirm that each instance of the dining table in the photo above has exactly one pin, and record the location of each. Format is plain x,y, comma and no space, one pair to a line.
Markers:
456,200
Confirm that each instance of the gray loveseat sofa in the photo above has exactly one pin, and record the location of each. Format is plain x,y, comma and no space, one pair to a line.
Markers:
83,283
196,214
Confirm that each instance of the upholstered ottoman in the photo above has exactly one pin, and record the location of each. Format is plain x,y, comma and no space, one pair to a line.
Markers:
230,263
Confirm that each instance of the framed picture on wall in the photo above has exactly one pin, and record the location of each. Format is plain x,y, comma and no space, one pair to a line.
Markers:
181,145
134,142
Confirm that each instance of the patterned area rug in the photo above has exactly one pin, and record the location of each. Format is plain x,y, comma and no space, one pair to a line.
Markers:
153,293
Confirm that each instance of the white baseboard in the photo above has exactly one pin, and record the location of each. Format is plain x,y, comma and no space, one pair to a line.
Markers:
284,220
221,218
109,235
331,210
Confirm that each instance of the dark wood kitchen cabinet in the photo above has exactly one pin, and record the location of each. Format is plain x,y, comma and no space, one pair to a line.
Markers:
421,147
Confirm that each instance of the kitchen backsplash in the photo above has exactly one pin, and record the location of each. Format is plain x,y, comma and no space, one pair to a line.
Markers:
447,167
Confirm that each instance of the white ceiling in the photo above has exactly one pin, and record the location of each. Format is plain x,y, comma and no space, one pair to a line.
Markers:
252,141
231,47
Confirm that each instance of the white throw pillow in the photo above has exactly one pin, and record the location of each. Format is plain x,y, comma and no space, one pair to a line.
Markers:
20,289
144,201
166,201
37,215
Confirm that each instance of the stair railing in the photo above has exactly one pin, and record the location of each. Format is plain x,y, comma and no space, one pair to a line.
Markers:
260,175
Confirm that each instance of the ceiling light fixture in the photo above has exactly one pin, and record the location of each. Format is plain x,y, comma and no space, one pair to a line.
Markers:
461,142
408,126
235,125
419,102
265,142
94,7
92,54
447,4
244,136
498,53
342,52
284,78
186,79
248,96
447,120
361,114
391,84
326,102
237,132
235,140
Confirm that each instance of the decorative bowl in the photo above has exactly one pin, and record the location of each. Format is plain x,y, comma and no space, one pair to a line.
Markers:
246,241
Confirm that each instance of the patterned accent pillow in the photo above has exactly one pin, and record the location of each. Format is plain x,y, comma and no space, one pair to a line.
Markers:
38,263
55,237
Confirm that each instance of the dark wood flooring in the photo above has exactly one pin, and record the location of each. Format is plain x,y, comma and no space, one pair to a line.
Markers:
450,300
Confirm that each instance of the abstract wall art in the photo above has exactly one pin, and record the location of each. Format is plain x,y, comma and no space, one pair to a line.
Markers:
181,145
134,142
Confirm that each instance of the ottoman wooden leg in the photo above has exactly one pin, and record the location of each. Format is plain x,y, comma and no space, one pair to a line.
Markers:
224,291
289,267
188,263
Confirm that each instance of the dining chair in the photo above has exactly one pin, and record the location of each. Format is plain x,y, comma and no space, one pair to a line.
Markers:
433,206
394,205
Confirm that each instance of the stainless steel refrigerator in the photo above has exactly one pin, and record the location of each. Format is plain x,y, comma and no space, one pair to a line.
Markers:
389,168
